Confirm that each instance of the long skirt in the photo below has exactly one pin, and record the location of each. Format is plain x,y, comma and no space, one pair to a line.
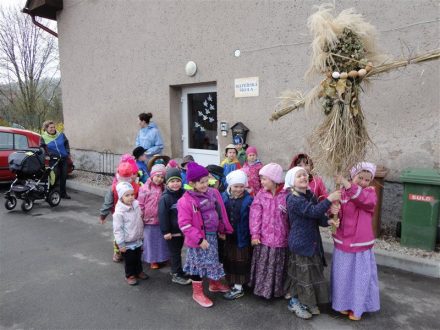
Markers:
307,281
237,262
204,263
268,271
155,246
355,285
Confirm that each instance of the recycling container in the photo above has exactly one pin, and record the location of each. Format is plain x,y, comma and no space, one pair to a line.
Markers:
420,212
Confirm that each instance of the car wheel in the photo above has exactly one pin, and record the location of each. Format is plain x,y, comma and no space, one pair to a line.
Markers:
27,205
54,198
10,203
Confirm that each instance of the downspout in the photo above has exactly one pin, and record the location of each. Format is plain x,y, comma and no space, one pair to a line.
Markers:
41,26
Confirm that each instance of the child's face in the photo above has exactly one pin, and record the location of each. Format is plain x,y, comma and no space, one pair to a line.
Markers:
363,179
201,185
143,158
239,146
158,179
301,180
128,197
174,184
231,154
305,165
251,157
267,183
237,190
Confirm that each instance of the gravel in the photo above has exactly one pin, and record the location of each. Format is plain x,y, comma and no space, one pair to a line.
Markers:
387,241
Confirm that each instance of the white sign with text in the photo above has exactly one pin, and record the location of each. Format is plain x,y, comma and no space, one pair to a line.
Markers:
246,87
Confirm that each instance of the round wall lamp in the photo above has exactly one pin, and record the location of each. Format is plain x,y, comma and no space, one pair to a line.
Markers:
190,68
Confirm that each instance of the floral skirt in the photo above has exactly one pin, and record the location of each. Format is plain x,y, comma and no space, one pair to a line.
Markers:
307,281
155,246
205,263
268,271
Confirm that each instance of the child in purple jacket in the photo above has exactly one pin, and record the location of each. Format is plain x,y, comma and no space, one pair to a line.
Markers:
202,218
355,287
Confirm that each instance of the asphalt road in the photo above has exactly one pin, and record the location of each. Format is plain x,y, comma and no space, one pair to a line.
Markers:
56,273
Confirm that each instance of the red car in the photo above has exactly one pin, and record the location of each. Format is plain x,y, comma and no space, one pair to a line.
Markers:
13,139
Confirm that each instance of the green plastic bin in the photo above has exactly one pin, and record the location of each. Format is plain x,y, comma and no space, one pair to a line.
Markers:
420,207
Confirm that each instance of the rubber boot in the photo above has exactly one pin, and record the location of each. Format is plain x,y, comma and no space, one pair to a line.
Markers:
218,286
199,296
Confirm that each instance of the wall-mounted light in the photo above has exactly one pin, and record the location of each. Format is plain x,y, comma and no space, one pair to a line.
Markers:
190,68
237,53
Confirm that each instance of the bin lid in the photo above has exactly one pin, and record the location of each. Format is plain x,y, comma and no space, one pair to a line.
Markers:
421,175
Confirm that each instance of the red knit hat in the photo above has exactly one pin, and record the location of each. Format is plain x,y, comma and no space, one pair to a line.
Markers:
125,170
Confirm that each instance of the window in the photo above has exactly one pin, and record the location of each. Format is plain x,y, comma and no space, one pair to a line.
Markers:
20,142
6,141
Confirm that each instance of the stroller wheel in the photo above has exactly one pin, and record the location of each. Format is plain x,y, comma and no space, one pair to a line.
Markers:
10,202
54,198
27,205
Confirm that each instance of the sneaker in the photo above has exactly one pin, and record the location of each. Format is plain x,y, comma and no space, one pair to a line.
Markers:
154,265
234,294
314,310
131,280
299,309
287,296
179,279
142,276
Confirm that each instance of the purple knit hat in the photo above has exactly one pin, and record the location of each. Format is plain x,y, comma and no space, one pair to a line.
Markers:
272,171
194,172
363,166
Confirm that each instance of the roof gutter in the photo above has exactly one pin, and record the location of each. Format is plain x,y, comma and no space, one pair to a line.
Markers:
41,26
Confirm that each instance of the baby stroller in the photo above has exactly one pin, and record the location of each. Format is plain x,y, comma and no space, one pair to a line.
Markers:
34,180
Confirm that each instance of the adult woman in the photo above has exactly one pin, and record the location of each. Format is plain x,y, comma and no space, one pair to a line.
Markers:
148,136
56,145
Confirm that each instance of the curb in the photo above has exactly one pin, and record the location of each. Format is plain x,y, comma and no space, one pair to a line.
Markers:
385,258
86,188
410,264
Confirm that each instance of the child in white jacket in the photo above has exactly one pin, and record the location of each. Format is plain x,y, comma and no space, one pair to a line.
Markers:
128,229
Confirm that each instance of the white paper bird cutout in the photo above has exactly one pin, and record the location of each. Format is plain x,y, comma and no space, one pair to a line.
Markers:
209,98
200,113
205,103
211,119
211,107
196,124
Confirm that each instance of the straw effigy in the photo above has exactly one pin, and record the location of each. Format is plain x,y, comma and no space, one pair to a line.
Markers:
343,49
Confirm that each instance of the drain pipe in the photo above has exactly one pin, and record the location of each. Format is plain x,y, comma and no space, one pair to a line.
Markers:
41,26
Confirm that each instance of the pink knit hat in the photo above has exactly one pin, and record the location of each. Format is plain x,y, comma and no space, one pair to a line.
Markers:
272,171
251,150
127,158
364,166
172,164
158,169
194,172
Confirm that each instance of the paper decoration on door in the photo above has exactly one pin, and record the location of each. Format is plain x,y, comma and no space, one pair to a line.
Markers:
206,116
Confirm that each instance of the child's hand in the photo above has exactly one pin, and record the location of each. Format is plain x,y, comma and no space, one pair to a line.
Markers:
102,219
339,179
334,223
334,196
334,209
123,249
204,245
222,236
255,242
168,236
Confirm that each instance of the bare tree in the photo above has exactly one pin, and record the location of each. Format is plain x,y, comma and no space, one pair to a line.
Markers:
28,69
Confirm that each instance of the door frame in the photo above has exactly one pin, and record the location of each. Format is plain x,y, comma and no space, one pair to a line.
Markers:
198,154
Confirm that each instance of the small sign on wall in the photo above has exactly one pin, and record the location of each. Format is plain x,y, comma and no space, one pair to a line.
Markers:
246,87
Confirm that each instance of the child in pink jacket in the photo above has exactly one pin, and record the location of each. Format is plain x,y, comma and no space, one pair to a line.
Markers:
155,246
269,229
252,167
355,287
202,218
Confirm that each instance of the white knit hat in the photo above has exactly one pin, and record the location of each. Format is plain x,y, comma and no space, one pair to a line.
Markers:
290,176
122,188
236,177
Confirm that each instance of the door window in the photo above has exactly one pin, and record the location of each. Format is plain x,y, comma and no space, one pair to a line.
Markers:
6,141
20,142
202,121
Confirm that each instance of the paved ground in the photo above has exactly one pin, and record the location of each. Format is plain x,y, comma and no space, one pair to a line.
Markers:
56,273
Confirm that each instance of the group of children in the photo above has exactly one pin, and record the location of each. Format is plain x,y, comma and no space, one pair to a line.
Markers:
245,224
